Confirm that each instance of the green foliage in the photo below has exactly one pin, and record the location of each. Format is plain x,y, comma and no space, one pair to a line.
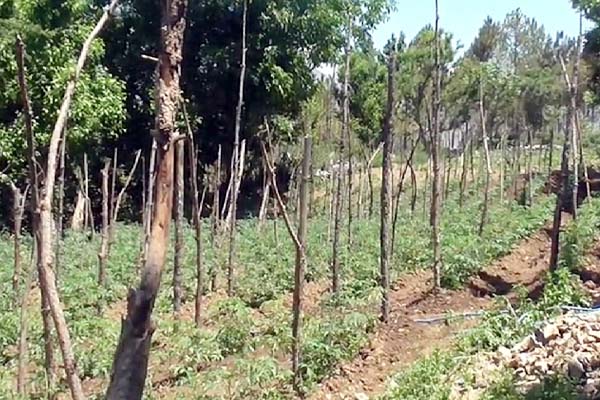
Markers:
426,379
235,325
329,341
580,235
552,388
53,37
465,252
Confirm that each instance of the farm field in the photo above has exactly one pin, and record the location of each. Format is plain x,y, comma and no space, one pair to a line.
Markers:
282,200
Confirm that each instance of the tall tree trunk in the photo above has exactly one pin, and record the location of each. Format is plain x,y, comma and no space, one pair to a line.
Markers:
463,176
396,202
133,350
178,214
24,326
502,165
413,181
86,194
18,209
332,202
346,125
149,199
196,218
103,254
530,169
300,267
61,201
335,262
565,175
49,361
386,192
488,163
237,157
43,218
262,212
215,223
435,191
551,150
370,180
359,208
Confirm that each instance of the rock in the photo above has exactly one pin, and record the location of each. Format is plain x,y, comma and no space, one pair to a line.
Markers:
360,396
550,332
504,354
590,389
526,344
575,369
590,285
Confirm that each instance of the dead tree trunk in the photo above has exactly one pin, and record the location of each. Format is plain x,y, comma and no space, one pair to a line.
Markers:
178,259
435,145
530,169
149,201
61,200
196,218
215,225
488,163
551,150
502,165
346,128
396,202
300,268
103,254
565,175
299,239
467,142
386,193
24,327
332,200
49,361
133,350
43,220
413,201
337,216
18,210
237,157
262,212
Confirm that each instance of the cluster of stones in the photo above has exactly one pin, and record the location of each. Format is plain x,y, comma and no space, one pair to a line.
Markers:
568,346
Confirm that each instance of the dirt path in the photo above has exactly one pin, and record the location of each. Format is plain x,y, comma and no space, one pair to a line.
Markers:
403,340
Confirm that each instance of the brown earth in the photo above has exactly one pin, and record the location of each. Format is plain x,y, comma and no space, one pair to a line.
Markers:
405,339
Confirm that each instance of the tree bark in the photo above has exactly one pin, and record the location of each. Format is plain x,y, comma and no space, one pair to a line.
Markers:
530,169
43,220
413,201
386,193
502,165
196,218
435,191
565,175
61,200
133,350
337,216
488,163
49,361
18,209
346,127
215,225
23,328
300,267
103,254
178,221
236,158
396,202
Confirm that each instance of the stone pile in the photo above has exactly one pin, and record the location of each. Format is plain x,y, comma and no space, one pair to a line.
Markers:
568,346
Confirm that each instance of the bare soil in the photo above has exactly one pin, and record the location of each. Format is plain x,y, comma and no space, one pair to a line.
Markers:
404,340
